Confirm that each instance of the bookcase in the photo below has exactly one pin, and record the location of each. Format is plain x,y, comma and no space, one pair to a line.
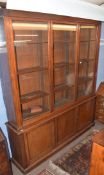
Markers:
48,74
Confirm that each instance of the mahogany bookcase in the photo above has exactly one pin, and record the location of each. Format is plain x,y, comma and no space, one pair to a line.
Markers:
48,74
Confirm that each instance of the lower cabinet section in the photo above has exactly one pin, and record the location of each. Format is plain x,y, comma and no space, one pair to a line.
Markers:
33,144
66,125
40,141
86,114
18,149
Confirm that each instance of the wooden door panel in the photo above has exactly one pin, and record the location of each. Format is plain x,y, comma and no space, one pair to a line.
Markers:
85,114
66,125
41,140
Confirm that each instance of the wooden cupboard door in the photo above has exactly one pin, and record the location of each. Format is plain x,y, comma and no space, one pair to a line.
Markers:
85,114
66,125
41,140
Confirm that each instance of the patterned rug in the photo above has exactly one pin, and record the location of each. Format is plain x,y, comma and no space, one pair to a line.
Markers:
46,172
76,161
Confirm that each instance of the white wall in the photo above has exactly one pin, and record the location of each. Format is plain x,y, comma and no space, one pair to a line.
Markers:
100,75
73,8
3,0
3,115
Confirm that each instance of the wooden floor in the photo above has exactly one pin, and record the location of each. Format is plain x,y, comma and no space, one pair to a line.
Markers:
42,166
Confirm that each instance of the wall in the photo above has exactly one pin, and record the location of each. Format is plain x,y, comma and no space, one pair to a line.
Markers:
62,7
3,0
3,115
100,76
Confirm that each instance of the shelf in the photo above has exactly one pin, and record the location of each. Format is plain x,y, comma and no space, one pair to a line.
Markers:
62,102
33,95
63,41
81,93
87,41
63,64
100,112
26,42
62,86
33,69
83,79
86,60
27,113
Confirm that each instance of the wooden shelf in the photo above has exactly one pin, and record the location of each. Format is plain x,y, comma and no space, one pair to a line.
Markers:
28,113
62,86
63,41
85,60
83,79
100,113
62,102
31,96
81,93
33,69
63,64
26,43
87,41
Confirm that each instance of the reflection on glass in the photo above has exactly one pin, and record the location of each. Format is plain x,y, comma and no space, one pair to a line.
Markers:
31,48
87,60
64,37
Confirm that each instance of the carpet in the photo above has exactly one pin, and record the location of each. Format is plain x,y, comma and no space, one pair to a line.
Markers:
53,169
76,161
46,172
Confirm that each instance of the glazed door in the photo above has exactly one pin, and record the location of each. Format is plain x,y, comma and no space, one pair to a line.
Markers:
86,64
31,50
64,54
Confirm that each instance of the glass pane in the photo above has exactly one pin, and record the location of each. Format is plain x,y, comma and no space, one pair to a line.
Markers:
31,45
31,49
86,60
35,107
64,38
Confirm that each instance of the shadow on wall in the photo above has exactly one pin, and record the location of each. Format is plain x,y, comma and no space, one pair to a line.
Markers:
100,74
3,116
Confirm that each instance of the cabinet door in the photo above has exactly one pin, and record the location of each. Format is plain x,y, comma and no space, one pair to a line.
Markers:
31,50
41,141
64,52
66,125
87,55
86,114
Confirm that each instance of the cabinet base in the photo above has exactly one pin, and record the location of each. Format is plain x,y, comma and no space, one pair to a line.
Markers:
59,147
